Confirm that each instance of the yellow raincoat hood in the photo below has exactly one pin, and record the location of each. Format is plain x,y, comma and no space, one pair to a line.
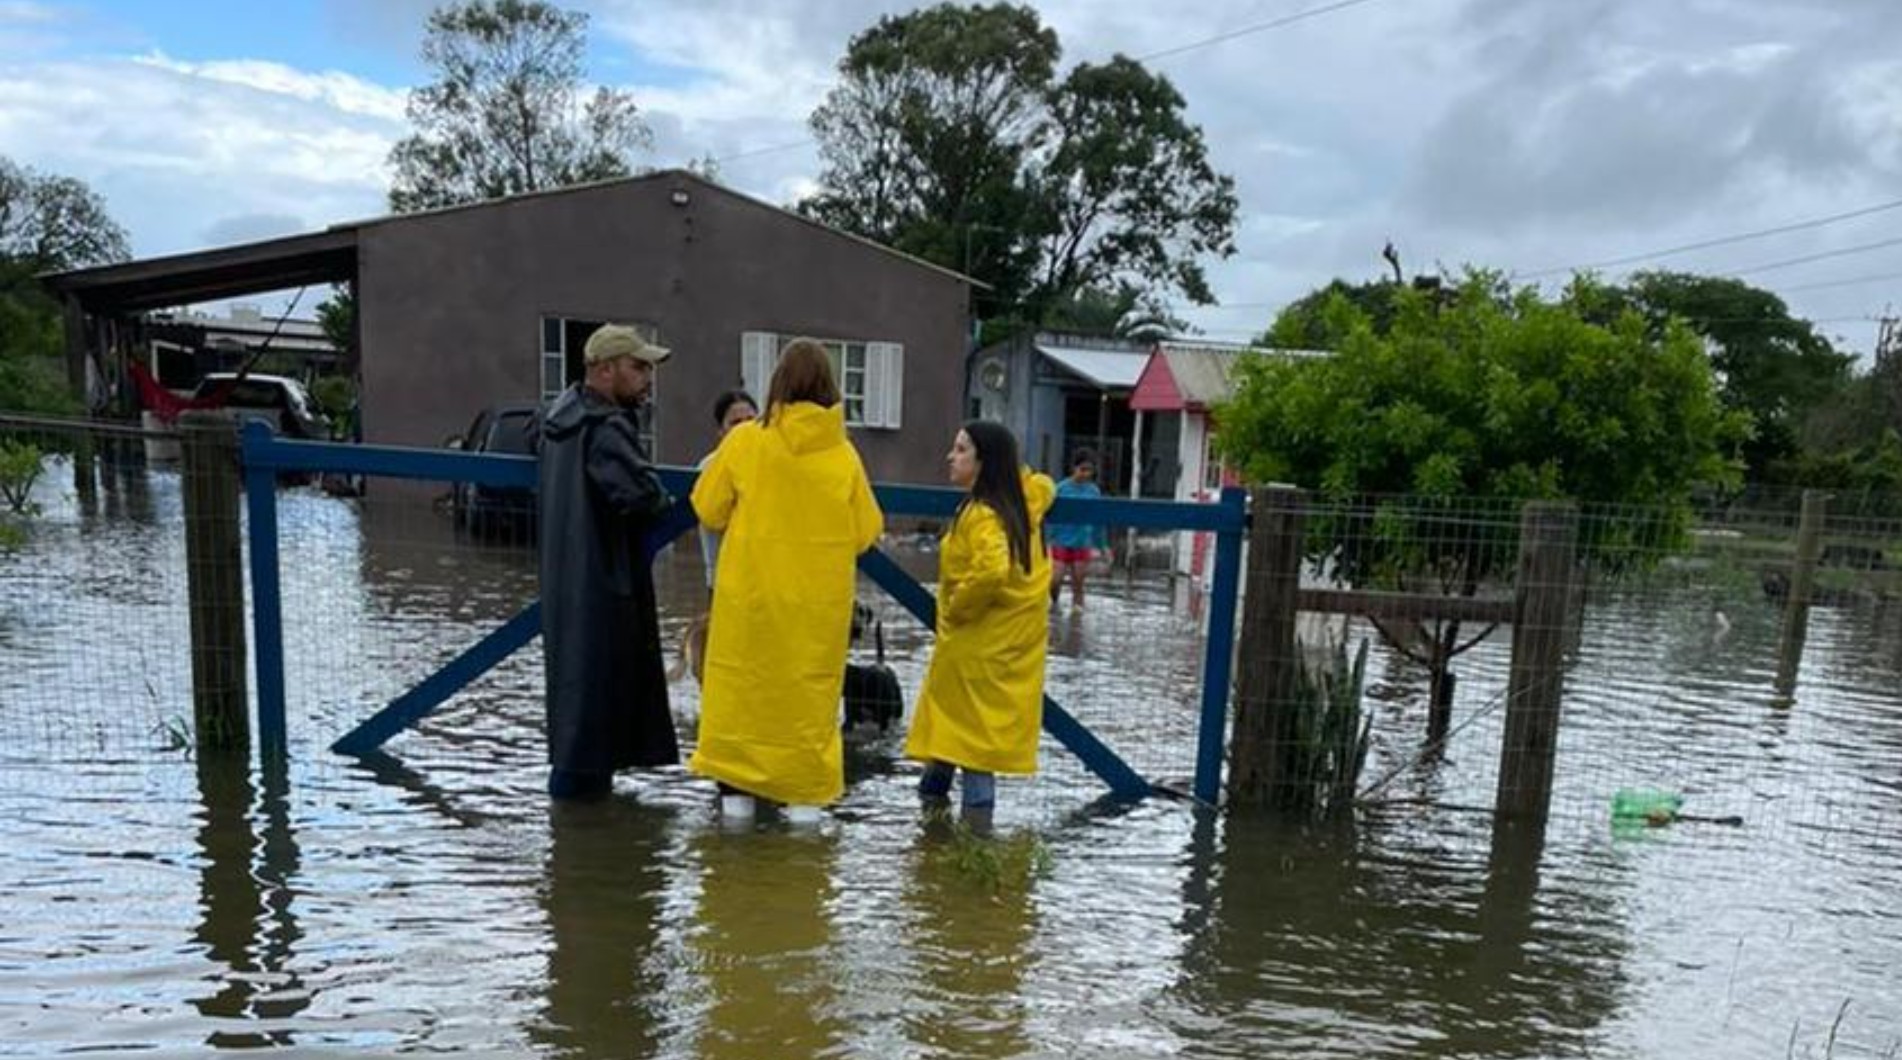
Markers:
795,509
982,702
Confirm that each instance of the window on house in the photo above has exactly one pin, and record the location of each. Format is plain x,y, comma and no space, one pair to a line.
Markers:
870,374
564,339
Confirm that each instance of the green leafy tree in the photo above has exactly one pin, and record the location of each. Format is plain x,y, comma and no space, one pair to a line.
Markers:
950,137
507,112
50,222
337,316
1122,313
1770,364
1303,324
1465,406
925,138
1128,188
47,223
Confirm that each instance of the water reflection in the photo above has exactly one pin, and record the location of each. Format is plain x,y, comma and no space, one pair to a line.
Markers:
1328,942
971,942
247,918
605,883
419,792
764,944
414,561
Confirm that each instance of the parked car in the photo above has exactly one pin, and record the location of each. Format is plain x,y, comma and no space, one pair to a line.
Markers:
278,400
494,511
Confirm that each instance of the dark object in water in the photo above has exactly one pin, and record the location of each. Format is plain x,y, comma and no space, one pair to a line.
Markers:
873,696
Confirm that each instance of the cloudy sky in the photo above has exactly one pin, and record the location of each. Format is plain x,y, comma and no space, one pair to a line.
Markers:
1528,135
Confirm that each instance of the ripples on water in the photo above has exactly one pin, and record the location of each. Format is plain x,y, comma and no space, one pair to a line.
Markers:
431,899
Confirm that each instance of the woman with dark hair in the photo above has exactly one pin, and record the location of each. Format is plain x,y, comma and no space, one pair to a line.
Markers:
981,707
790,497
729,411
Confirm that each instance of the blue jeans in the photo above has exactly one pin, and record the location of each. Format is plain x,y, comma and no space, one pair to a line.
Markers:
979,791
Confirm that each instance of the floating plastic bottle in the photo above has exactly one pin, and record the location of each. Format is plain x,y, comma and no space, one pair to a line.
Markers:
1649,805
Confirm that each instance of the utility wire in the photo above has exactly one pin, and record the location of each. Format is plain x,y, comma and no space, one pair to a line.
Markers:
1720,241
1259,27
1851,282
1824,255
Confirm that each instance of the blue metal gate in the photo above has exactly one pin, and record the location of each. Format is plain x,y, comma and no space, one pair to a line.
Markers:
266,457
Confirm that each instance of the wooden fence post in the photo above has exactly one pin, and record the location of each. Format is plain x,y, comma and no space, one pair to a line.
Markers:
214,566
1265,673
1548,534
1796,609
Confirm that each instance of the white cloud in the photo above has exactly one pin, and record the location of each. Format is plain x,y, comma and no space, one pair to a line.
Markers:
25,12
351,95
174,151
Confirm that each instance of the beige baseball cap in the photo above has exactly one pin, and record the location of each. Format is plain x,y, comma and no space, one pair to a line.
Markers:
618,340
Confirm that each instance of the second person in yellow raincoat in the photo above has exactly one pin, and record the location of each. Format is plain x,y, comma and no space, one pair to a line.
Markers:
795,509
981,708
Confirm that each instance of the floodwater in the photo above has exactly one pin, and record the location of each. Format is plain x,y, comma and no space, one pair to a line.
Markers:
431,900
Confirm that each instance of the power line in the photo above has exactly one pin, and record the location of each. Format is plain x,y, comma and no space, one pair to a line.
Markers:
1822,256
1867,318
1721,241
1276,23
1851,282
1885,277
1259,27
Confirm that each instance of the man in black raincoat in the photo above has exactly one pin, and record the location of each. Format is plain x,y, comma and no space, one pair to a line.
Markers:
607,687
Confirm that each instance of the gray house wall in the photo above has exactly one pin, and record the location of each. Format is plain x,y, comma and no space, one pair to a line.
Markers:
450,305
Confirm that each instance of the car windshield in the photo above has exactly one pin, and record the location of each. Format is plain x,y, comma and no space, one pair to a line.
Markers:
511,433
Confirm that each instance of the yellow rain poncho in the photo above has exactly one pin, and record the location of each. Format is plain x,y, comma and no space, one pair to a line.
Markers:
982,702
795,511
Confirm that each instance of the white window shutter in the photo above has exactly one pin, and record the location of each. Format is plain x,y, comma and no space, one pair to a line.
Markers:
759,355
872,397
886,379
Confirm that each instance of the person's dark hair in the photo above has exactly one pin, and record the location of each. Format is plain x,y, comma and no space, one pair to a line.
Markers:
804,374
1082,457
999,483
729,399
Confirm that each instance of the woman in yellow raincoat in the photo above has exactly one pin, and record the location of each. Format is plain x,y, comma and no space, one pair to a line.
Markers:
981,708
795,509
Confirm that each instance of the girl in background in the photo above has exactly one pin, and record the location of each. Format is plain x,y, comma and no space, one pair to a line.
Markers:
1074,546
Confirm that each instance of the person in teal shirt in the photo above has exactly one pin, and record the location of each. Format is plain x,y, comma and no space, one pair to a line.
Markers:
1074,546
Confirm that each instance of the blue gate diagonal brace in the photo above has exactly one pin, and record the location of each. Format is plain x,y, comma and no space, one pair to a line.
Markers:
1096,756
435,690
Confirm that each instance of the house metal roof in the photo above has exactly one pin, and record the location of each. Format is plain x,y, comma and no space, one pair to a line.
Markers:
1105,369
1195,375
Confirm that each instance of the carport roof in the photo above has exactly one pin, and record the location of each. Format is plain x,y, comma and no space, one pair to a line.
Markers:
329,256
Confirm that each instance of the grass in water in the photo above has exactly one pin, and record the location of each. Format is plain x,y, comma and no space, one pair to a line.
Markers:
995,864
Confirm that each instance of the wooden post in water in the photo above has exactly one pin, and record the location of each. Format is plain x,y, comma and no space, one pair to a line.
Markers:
1548,534
84,485
1796,609
214,566
1266,658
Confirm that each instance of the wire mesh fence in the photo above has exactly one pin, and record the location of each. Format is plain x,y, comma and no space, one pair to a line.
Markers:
1670,629
95,659
1666,627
